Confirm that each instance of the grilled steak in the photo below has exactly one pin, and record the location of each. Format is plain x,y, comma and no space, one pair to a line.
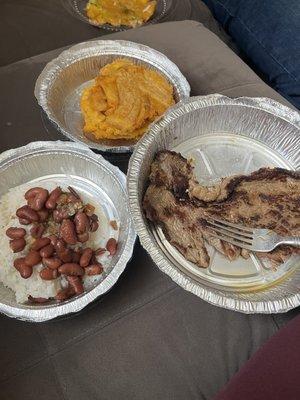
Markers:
268,198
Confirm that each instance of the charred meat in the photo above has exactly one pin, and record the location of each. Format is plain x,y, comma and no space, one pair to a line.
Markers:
267,198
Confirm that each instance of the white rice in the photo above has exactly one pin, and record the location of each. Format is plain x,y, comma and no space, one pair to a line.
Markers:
35,286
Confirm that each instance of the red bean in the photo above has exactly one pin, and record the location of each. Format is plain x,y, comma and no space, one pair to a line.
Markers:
59,215
36,198
39,243
86,257
82,222
65,256
38,300
15,233
52,200
47,251
67,231
17,245
65,294
111,246
32,192
48,274
94,217
27,213
52,262
71,269
33,258
76,284
94,226
63,252
24,269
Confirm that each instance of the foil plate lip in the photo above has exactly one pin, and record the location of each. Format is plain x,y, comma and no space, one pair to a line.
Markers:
48,312
98,48
74,8
241,302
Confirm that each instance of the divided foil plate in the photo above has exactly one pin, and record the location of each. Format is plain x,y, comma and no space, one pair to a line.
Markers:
59,87
224,137
100,182
77,9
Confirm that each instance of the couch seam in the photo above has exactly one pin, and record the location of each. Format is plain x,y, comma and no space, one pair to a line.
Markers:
242,85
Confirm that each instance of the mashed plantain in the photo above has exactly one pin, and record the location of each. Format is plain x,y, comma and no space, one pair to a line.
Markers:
120,12
124,99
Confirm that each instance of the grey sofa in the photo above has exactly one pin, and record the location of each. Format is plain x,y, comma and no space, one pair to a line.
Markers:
147,338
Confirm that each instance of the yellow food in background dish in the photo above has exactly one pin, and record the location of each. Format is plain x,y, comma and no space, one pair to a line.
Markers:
120,12
124,99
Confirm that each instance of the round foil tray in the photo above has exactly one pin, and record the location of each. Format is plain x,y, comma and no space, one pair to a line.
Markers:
224,137
69,164
77,9
59,87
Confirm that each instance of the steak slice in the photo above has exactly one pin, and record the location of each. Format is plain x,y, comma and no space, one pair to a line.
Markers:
267,198
183,227
162,207
172,171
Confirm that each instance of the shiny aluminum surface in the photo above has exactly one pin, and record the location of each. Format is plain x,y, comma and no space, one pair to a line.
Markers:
59,87
102,183
224,137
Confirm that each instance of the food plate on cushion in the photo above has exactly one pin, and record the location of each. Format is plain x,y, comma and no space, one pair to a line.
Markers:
102,184
224,137
60,85
78,9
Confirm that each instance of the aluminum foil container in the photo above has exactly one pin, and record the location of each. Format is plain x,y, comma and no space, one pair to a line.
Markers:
59,87
224,137
77,9
75,165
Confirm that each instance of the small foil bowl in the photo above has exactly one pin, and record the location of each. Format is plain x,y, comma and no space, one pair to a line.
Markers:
78,9
75,165
224,137
59,87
